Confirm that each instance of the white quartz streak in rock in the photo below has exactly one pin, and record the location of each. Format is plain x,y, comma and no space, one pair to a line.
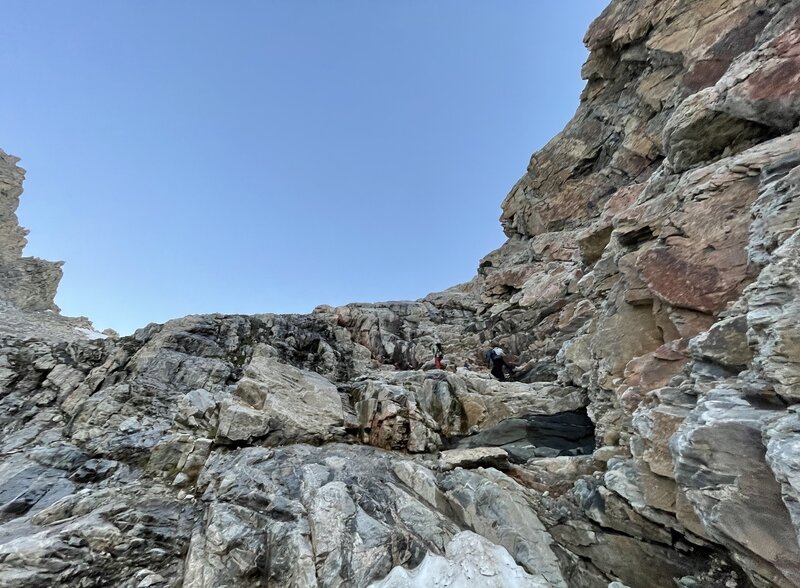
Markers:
470,560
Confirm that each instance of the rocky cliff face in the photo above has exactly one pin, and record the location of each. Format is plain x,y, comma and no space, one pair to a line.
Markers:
648,292
28,283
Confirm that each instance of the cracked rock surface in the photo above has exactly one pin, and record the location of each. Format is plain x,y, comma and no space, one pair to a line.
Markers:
648,295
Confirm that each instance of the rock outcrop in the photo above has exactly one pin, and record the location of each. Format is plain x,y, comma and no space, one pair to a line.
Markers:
648,294
29,283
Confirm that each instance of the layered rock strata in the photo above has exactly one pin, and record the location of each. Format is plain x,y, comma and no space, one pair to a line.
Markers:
28,283
648,293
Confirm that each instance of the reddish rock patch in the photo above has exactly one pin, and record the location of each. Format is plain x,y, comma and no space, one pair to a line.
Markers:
675,276
705,73
788,44
780,81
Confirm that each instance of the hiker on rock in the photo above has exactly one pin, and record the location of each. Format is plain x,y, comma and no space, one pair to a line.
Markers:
489,357
438,354
498,363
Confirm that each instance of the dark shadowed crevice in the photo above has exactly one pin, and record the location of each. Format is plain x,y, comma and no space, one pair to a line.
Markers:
565,433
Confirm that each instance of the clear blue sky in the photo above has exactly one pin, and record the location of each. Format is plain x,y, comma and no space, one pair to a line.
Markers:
269,156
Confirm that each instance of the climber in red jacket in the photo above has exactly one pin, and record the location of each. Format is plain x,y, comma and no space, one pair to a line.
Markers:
438,354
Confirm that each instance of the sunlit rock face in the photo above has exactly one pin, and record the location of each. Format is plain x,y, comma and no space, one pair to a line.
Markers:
648,295
28,283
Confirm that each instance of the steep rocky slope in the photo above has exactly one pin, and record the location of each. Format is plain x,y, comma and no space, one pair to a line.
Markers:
648,290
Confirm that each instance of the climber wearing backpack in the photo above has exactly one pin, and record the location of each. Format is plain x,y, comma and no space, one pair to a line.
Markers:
489,357
498,363
438,354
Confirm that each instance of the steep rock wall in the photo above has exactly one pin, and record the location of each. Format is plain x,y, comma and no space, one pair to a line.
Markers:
29,283
668,211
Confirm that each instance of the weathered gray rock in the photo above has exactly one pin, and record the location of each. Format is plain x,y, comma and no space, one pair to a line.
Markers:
783,457
138,528
697,133
492,457
470,560
724,343
12,236
495,506
720,465
329,516
773,320
27,284
279,399
394,417
647,293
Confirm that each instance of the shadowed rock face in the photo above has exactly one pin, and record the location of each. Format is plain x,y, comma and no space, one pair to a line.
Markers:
566,433
647,295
